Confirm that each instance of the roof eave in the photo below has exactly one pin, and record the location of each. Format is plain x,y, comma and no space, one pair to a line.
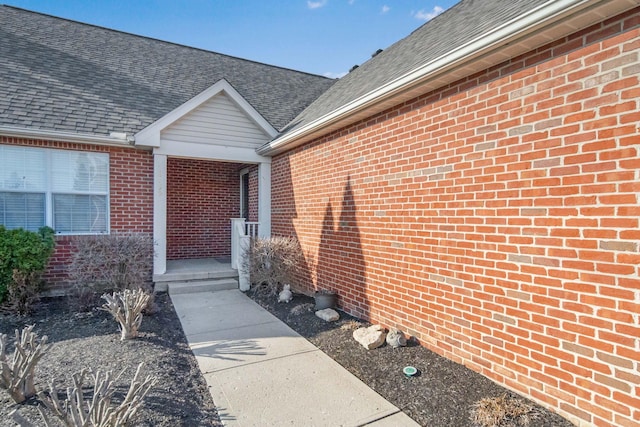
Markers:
516,37
121,140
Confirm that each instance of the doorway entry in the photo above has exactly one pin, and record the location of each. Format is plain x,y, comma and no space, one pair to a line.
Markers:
244,194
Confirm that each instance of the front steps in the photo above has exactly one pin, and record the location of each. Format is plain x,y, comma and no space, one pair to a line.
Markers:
196,275
205,285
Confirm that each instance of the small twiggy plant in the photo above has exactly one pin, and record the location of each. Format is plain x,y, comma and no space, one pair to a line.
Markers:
272,262
98,411
502,411
17,374
23,292
126,307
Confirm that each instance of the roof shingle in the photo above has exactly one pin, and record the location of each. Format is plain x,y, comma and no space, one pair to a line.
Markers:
457,26
62,75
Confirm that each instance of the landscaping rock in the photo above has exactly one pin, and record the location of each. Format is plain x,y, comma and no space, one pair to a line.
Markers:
371,337
396,338
328,314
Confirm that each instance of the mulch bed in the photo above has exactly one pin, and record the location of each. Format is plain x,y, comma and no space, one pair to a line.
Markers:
92,340
441,395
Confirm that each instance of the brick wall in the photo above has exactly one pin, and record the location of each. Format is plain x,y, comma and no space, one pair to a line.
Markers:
202,197
130,202
496,219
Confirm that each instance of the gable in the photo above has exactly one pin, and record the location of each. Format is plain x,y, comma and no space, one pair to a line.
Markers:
217,124
218,121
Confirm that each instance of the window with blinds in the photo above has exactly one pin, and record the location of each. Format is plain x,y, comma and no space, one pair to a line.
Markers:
66,190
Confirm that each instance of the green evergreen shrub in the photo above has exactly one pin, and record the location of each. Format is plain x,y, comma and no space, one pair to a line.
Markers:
23,254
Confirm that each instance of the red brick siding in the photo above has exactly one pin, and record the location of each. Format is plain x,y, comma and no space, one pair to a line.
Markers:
131,191
202,197
56,277
130,202
497,219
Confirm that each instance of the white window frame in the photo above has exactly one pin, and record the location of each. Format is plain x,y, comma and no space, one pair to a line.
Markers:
49,191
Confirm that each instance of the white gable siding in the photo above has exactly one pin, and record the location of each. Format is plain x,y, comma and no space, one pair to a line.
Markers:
218,121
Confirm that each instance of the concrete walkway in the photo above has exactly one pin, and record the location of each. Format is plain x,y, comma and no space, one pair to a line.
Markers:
262,373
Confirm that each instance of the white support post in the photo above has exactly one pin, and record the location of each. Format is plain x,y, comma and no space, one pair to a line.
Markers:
243,272
160,213
237,230
264,199
240,242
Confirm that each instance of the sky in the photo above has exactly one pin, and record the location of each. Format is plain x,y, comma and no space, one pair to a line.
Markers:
325,37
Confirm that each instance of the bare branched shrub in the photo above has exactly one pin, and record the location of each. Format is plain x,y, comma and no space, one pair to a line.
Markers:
23,292
126,307
116,261
272,262
98,411
502,411
17,374
83,298
111,263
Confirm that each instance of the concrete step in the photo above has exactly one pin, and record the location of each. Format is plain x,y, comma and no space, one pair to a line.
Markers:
191,275
193,286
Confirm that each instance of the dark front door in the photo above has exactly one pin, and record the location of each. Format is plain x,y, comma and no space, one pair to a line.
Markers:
244,201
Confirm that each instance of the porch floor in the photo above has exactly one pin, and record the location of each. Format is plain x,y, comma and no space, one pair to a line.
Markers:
185,270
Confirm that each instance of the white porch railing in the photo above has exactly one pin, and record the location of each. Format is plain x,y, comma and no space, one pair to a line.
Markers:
251,228
241,233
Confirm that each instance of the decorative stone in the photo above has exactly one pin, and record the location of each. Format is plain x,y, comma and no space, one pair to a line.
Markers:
396,338
371,337
285,295
328,315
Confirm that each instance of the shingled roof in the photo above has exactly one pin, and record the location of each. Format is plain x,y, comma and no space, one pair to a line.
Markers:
472,36
65,76
462,23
